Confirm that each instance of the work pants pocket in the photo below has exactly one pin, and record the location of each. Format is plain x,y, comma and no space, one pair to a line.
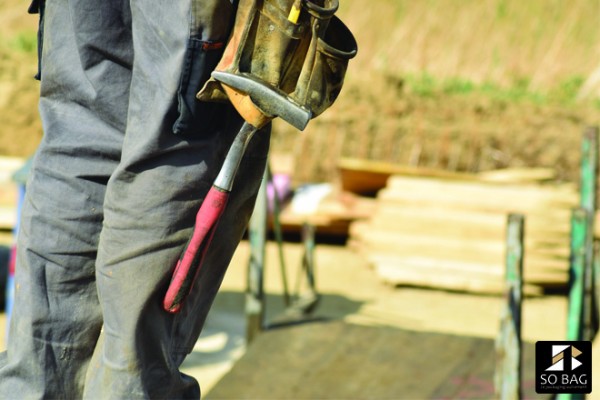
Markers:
37,7
194,116
211,22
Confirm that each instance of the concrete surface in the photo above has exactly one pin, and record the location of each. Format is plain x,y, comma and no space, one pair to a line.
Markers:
352,293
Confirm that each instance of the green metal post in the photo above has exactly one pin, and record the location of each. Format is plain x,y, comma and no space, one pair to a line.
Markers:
507,377
257,235
582,316
277,231
589,187
305,303
579,239
589,317
308,237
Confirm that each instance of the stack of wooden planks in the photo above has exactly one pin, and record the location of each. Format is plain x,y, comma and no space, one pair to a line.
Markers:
8,191
331,215
450,234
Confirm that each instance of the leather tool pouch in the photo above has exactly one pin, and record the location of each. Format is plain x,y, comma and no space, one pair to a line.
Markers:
306,58
323,76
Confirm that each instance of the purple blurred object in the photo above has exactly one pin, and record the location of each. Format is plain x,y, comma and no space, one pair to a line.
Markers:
280,184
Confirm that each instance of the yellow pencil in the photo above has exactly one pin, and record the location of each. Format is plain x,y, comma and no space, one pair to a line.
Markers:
295,12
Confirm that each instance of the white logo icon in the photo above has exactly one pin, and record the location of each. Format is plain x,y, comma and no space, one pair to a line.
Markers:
558,358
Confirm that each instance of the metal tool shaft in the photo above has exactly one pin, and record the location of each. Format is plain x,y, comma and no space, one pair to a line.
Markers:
224,180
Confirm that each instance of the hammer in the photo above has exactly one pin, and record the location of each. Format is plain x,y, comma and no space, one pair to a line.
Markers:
258,103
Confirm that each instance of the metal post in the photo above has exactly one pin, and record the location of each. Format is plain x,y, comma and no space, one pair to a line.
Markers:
579,239
277,231
589,316
589,187
582,317
257,235
308,238
596,284
508,344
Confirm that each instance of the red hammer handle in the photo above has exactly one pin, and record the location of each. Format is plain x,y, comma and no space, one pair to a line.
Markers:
191,259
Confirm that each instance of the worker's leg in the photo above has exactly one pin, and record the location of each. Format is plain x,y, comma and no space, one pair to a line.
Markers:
57,319
151,203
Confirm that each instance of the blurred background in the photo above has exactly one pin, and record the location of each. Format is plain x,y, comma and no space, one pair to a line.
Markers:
454,114
467,86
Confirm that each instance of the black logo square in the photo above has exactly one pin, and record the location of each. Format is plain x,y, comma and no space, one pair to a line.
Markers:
563,367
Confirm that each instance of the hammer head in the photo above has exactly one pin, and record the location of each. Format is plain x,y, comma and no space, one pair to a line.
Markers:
270,100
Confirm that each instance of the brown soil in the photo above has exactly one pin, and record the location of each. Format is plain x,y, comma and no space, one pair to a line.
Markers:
376,117
380,119
20,126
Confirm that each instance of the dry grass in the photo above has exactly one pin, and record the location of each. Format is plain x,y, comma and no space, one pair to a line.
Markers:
517,68
544,42
547,48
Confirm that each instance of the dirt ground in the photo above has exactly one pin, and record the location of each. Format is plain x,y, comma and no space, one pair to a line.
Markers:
352,293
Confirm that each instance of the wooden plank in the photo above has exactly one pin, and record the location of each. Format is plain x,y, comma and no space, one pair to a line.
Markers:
478,196
518,175
533,262
8,217
8,166
497,203
332,216
425,266
292,223
431,243
457,248
442,277
558,190
368,176
8,194
451,225
335,360
555,222
8,191
434,224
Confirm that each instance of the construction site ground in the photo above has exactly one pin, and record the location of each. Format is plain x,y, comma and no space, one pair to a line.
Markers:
352,294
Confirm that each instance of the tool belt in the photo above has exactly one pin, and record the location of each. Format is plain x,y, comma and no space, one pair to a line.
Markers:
299,48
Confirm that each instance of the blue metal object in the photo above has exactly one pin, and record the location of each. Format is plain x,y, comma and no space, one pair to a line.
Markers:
20,178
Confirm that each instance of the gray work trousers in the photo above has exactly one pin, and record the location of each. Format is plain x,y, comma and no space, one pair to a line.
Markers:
112,197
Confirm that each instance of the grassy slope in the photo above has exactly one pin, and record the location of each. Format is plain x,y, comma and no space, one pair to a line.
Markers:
540,42
457,84
20,127
462,85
